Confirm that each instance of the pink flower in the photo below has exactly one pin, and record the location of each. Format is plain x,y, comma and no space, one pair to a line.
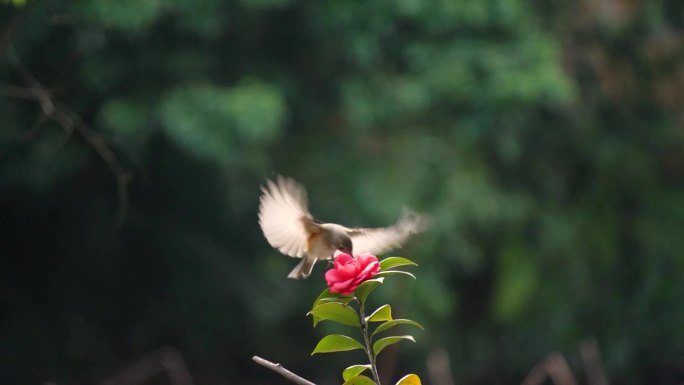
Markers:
349,272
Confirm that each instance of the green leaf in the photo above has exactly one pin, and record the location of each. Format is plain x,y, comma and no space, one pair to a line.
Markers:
382,343
336,343
335,311
392,323
394,272
359,380
354,371
409,379
366,287
343,300
392,262
325,296
383,313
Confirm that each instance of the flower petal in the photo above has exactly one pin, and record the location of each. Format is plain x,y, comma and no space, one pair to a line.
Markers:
332,275
371,268
349,272
341,287
342,260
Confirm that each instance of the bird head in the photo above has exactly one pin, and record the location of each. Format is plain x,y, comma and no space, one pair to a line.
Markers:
344,244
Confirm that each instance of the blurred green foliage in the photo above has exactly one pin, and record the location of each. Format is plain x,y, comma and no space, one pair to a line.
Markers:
544,138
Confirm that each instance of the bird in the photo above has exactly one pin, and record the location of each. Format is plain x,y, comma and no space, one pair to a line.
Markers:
288,226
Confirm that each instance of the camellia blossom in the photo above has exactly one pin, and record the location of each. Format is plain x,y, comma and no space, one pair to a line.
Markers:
349,272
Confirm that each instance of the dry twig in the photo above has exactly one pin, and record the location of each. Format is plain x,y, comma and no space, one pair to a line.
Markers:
282,371
167,360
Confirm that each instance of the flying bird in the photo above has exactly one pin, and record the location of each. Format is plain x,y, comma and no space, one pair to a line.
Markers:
288,226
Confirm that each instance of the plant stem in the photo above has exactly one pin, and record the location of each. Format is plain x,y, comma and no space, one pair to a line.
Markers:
367,341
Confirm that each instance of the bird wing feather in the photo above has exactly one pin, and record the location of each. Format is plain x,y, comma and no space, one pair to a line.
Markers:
284,216
378,240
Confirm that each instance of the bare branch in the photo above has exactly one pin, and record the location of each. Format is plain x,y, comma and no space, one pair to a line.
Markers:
70,121
19,92
554,366
559,370
166,359
97,142
438,367
8,32
282,371
593,365
536,376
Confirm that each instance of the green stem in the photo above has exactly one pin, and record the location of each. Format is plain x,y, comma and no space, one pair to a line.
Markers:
367,341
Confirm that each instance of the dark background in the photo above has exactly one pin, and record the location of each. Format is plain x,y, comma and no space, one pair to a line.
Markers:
545,139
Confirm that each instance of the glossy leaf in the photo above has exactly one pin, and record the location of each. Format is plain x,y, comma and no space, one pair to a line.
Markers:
335,311
336,343
366,287
343,300
383,313
354,371
392,262
394,272
392,323
359,380
325,296
382,343
409,379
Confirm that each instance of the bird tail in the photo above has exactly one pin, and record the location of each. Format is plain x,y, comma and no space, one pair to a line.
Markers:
303,269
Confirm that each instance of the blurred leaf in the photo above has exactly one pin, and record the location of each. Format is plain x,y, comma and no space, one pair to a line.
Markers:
354,371
516,282
366,287
336,343
383,313
382,343
392,323
212,122
392,262
337,312
409,379
257,110
126,15
197,118
264,4
359,380
123,120
207,21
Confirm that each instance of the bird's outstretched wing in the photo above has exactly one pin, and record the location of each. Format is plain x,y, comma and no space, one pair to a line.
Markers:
284,216
378,240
